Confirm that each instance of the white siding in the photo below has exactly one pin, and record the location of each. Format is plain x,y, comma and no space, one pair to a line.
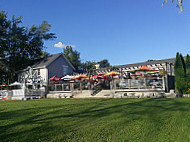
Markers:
43,74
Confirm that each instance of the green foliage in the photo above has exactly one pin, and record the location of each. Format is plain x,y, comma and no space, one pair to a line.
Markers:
95,120
187,71
179,4
104,62
89,67
19,44
73,56
180,74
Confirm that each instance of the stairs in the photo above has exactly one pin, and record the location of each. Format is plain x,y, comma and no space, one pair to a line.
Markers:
96,89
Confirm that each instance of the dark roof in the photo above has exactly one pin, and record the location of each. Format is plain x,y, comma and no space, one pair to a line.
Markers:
149,62
44,62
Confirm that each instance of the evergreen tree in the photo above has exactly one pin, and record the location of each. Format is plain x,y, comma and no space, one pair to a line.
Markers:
187,71
179,70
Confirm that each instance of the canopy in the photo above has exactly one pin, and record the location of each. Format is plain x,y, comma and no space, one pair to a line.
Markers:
68,77
145,68
98,76
137,74
80,76
3,85
55,78
151,72
112,73
15,84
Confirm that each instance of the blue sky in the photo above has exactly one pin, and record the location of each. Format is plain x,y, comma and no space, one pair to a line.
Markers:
122,31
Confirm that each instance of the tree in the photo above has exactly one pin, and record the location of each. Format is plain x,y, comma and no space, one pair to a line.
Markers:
89,67
179,71
179,4
19,44
104,62
187,71
73,56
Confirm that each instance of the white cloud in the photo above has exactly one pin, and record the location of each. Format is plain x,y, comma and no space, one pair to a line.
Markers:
59,45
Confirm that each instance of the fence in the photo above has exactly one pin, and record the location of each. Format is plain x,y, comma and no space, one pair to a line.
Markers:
72,86
143,83
34,92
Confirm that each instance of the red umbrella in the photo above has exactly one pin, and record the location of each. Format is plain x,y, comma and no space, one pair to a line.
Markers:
55,78
4,85
137,74
98,77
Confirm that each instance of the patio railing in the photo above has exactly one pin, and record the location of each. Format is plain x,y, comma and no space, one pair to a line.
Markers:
143,83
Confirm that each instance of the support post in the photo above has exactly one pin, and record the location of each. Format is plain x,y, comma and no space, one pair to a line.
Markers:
129,83
72,87
145,85
114,84
55,87
80,87
88,85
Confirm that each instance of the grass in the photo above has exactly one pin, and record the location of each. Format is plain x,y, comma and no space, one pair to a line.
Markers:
130,120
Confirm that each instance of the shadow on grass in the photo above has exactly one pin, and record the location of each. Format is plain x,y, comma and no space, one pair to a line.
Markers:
43,123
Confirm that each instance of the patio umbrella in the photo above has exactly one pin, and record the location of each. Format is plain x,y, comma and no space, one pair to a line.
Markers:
152,72
145,68
55,78
112,73
80,76
15,83
137,74
98,76
4,85
68,77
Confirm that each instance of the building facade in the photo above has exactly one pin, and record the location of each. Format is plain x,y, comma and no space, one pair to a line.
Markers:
45,68
167,65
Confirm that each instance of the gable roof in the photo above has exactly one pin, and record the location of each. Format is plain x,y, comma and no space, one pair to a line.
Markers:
44,62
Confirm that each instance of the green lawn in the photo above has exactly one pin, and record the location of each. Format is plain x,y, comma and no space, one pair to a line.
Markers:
95,120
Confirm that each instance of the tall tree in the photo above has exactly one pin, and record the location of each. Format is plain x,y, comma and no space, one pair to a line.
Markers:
179,71
73,56
187,71
20,44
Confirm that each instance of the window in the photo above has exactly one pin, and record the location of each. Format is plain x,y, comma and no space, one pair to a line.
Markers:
65,69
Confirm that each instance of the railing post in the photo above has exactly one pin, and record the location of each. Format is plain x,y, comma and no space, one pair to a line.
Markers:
145,85
72,87
55,87
80,87
114,84
129,83
89,85
163,82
